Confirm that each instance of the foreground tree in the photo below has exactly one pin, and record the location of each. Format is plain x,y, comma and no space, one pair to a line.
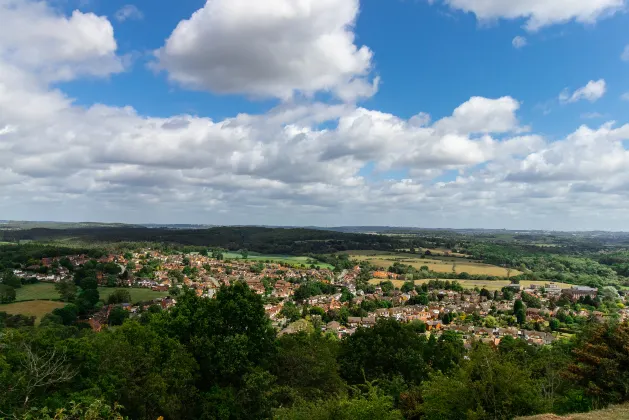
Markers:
601,364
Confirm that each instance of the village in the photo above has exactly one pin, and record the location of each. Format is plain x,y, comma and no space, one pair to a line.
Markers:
473,314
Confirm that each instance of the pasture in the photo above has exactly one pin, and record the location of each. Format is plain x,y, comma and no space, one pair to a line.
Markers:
437,263
46,291
491,285
280,259
37,308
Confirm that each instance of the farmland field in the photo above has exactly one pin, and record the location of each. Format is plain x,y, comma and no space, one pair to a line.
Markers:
37,291
137,294
490,285
46,291
437,263
283,259
39,308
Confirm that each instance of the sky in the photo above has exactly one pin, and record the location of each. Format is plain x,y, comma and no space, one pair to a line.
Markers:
426,113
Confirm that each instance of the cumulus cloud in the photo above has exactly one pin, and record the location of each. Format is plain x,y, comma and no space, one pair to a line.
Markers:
33,36
519,42
625,54
295,164
539,14
274,48
129,12
625,96
592,92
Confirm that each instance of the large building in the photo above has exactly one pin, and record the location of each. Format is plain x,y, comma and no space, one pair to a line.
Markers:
577,292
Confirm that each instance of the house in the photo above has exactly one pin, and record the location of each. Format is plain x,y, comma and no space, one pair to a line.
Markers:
514,287
552,289
332,326
577,292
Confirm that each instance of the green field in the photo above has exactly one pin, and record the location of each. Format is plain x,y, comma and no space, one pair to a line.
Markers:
38,308
437,263
491,285
37,291
137,295
282,259
46,291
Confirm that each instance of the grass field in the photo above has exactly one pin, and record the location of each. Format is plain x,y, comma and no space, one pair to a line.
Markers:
37,291
619,412
439,264
137,295
490,285
283,259
46,291
39,308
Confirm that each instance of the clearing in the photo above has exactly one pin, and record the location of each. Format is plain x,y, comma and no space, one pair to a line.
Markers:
46,291
619,412
282,259
437,263
37,291
38,308
491,285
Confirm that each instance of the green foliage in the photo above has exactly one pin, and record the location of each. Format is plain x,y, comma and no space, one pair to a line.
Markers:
9,279
67,290
306,364
68,313
119,296
601,364
117,316
7,294
387,350
486,387
371,405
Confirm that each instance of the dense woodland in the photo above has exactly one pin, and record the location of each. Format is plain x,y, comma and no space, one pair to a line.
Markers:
221,359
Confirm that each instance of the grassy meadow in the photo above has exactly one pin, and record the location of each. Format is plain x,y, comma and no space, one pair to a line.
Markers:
281,259
46,291
38,308
438,262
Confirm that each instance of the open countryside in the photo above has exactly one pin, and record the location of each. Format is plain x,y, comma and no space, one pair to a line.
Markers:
441,263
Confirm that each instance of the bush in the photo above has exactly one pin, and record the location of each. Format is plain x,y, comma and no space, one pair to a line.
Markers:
7,294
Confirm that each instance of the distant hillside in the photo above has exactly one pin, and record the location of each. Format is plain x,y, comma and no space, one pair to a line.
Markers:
620,412
263,240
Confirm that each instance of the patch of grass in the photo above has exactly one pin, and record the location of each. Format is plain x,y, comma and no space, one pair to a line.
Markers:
439,264
137,294
46,291
37,291
619,412
38,308
281,259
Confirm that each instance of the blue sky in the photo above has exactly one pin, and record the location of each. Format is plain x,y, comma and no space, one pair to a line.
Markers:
308,112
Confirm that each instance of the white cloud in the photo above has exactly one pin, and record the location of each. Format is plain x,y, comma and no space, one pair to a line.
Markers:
625,54
274,48
592,92
625,96
519,42
33,36
129,12
539,13
296,164
483,115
